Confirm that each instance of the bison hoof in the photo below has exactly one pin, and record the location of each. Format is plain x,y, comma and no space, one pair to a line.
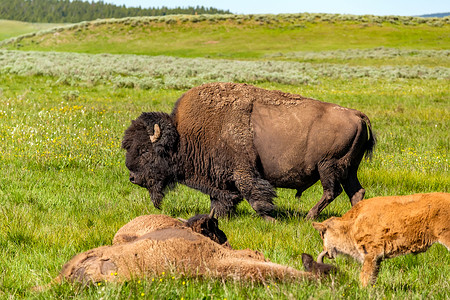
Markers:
311,215
269,219
221,210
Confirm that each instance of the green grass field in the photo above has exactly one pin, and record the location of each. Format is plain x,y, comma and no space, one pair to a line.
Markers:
242,37
9,29
64,187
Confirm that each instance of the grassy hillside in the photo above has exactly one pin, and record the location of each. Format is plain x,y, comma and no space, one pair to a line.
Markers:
64,187
243,37
9,29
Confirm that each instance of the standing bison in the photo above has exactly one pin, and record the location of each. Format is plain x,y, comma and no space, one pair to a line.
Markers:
234,141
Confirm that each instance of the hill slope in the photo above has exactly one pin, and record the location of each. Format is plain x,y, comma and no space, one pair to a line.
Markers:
239,36
10,29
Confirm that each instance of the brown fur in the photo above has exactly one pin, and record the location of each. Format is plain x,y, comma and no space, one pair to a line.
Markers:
206,225
176,249
311,265
235,141
142,225
385,227
185,253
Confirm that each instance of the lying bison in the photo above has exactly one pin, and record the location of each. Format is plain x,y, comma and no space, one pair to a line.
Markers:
234,141
162,244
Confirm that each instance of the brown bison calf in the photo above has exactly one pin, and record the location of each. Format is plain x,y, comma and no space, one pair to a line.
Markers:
385,227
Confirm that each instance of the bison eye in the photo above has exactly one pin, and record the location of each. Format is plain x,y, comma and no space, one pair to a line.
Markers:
142,151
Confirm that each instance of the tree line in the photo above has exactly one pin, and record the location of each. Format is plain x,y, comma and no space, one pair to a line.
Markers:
66,11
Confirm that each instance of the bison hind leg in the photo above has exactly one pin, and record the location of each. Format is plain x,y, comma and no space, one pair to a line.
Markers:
358,196
330,179
353,188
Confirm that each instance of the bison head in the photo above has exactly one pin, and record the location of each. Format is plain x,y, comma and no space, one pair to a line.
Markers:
334,233
150,142
208,226
318,268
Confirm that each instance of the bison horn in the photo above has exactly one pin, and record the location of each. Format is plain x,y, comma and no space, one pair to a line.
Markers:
321,256
156,135
211,213
182,220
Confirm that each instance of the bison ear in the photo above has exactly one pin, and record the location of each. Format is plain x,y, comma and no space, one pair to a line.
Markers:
319,226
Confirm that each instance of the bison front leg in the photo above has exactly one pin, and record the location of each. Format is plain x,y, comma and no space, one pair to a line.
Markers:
224,203
370,269
258,192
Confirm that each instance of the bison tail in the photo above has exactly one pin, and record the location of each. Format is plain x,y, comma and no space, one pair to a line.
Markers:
372,140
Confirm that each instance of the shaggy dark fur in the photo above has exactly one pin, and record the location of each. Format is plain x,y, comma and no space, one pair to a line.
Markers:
236,141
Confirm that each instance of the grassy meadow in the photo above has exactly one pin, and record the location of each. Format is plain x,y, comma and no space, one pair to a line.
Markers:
9,28
64,105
